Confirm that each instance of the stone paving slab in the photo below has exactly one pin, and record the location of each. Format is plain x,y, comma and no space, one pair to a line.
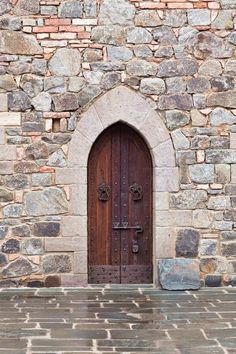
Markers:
117,319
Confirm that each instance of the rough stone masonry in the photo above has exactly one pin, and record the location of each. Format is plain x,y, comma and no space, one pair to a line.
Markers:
56,59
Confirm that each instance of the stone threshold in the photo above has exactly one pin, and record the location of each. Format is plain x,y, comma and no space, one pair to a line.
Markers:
116,287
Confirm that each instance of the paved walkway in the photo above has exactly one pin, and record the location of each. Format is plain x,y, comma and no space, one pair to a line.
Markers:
117,319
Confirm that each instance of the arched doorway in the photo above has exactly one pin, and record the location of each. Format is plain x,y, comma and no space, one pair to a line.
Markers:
126,105
120,183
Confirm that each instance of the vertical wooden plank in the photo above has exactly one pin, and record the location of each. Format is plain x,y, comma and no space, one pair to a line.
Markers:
116,201
125,234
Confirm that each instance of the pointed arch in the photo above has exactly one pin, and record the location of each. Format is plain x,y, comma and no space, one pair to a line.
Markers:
120,104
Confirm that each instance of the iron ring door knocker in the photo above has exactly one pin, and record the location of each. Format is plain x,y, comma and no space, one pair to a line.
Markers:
104,192
136,191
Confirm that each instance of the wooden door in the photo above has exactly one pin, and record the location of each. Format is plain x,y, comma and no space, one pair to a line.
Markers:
120,208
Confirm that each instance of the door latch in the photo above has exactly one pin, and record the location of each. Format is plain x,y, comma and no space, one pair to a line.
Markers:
125,226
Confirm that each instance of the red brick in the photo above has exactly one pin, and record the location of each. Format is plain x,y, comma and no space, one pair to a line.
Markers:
151,5
200,5
46,169
202,28
45,29
71,28
57,22
32,134
56,114
174,1
180,5
96,45
84,35
63,35
78,44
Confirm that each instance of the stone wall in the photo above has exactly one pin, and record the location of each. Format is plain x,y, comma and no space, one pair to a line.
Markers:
56,59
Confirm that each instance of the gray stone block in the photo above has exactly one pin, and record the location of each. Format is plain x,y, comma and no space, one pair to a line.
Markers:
47,202
21,266
115,35
187,243
3,232
17,182
41,179
24,7
213,280
198,85
21,231
18,101
31,84
180,67
70,9
189,199
211,67
13,210
7,82
38,150
42,102
223,21
175,18
32,246
208,247
164,35
176,119
90,8
117,53
222,116
152,86
228,4
13,42
5,196
202,173
222,83
65,62
182,102
213,265
46,229
209,45
199,17
147,18
139,67
56,264
217,202
224,99
117,12
179,274
11,246
138,35
221,156
65,102
229,249
5,7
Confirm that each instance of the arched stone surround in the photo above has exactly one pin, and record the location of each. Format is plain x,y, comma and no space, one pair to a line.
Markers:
121,104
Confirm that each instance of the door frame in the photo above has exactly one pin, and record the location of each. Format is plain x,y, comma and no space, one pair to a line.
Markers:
125,105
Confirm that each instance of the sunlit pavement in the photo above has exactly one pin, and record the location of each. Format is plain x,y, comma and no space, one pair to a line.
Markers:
117,319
